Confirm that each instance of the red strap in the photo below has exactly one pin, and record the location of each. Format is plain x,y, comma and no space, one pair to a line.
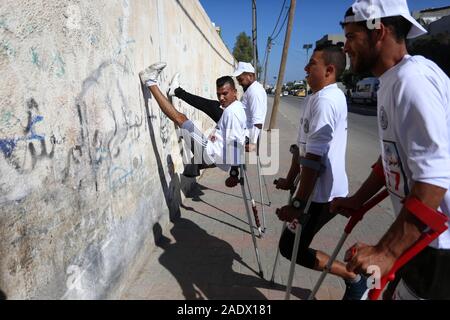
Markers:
435,220
428,216
377,168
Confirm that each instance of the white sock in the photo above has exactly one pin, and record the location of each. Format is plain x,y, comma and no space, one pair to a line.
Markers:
355,280
150,83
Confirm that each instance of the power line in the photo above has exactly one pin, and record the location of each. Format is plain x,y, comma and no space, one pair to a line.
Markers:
278,20
282,26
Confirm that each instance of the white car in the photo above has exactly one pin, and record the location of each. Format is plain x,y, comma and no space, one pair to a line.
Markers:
366,91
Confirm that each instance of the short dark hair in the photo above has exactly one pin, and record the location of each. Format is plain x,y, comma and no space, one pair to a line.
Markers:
224,80
333,54
398,24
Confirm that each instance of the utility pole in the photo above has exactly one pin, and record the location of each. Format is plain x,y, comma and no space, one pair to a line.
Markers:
307,47
269,47
254,36
287,40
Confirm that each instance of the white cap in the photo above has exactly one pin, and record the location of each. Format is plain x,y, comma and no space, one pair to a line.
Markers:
367,10
243,67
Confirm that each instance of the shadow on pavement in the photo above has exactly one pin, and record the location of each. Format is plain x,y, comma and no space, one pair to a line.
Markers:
202,265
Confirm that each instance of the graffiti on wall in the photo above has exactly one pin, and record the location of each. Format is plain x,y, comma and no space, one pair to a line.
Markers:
15,149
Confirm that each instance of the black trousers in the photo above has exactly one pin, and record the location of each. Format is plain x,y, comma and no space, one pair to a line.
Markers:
306,256
210,107
428,274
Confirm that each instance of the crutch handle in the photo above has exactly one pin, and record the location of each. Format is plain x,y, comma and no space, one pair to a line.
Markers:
437,224
350,254
357,215
291,190
424,240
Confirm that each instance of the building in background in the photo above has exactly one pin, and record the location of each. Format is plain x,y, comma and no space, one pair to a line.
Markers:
331,39
428,16
334,39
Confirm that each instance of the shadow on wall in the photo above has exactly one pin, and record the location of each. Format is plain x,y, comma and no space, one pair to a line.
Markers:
171,191
2,295
203,266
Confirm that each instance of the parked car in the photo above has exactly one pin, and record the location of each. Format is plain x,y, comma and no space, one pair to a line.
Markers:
300,93
366,91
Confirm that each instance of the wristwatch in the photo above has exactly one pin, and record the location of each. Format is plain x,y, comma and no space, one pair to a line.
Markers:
298,204
234,172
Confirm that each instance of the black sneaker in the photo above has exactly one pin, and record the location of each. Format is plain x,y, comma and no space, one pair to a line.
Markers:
356,290
191,170
233,179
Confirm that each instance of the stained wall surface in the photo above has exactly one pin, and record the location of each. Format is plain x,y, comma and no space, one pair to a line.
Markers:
89,166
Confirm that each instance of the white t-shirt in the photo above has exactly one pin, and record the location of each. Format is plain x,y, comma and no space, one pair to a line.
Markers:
255,102
414,130
231,129
323,132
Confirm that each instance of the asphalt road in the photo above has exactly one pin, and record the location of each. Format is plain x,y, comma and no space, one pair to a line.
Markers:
362,145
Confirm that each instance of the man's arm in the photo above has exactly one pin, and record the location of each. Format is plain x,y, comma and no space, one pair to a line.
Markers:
402,234
308,178
294,170
258,107
374,182
253,138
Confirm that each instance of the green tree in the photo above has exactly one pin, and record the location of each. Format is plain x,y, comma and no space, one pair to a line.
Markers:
243,48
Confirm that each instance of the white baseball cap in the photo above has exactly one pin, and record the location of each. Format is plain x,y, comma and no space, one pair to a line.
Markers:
366,10
243,67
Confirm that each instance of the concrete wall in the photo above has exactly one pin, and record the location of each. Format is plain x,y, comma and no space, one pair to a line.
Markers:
88,164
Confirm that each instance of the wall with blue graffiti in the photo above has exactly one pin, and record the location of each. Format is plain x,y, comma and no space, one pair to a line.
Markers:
88,163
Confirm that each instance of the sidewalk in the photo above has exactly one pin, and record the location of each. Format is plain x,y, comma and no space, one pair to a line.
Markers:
209,253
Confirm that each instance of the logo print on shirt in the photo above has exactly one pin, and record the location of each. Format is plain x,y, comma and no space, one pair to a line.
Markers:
383,119
306,126
396,180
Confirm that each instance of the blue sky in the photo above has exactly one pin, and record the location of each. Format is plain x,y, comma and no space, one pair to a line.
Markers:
313,19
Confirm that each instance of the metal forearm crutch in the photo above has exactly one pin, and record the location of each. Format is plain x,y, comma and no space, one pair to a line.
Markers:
294,150
269,202
356,216
247,210
254,209
258,165
436,223
291,195
303,219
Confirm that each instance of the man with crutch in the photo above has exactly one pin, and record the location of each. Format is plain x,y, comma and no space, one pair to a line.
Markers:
224,147
255,103
414,134
322,143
